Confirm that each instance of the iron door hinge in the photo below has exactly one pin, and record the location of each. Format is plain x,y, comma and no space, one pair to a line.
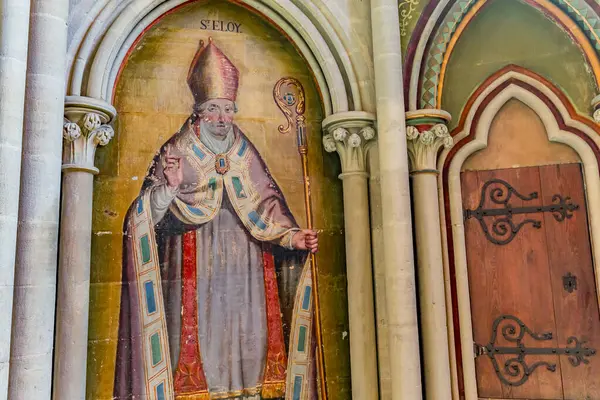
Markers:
503,228
516,371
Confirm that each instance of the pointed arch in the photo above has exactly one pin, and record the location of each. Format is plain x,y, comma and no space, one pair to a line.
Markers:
562,125
444,21
99,46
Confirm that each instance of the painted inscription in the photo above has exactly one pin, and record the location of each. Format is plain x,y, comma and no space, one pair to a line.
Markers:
222,26
212,211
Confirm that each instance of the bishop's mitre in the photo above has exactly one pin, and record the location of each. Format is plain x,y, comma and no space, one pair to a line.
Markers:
212,75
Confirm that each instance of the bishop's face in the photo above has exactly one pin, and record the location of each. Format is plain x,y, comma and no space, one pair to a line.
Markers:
217,116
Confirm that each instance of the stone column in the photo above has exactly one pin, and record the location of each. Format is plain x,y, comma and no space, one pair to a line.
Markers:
351,134
85,128
32,335
401,297
426,134
14,31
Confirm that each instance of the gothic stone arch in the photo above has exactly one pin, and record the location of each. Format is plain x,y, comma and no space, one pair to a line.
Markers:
563,125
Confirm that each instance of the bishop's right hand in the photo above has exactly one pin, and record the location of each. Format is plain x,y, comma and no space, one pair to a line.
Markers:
173,171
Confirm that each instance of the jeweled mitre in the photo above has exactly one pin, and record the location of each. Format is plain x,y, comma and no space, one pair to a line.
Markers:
212,75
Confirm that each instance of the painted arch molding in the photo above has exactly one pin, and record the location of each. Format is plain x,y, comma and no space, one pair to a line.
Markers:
562,125
443,21
99,45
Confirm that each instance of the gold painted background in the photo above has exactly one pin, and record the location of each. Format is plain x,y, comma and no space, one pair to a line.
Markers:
153,101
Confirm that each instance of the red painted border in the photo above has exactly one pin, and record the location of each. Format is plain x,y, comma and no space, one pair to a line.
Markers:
411,49
426,14
463,119
430,39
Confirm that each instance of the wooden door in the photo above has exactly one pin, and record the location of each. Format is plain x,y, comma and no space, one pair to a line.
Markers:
531,273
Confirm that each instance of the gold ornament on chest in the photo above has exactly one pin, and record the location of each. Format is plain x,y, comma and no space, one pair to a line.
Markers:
221,164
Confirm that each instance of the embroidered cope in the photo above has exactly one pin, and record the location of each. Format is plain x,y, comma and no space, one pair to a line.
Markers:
230,300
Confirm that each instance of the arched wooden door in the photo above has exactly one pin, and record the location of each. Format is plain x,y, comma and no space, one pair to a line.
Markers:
534,307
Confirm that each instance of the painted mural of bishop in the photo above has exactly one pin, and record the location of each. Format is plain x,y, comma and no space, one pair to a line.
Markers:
216,300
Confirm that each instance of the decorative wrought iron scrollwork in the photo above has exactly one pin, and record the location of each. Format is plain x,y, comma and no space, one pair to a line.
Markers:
503,229
516,371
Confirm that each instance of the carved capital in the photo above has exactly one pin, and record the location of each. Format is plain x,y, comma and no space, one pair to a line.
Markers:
351,135
426,134
86,126
596,108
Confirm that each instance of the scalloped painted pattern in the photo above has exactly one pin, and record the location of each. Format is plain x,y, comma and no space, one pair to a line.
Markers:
579,11
585,17
437,49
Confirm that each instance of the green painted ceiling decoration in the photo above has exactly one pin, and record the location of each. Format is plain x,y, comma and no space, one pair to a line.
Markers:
523,36
409,11
579,11
433,61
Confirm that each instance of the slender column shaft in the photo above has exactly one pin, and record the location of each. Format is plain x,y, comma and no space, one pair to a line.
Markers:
83,132
351,134
74,286
14,31
36,259
426,134
401,298
434,332
363,346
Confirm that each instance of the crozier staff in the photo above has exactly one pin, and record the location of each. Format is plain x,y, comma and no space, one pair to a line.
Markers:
227,315
216,120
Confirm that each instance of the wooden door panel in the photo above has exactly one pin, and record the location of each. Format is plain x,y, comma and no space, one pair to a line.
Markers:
531,298
481,310
569,252
510,279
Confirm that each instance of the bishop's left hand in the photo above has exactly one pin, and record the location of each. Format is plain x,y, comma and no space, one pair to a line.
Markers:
306,239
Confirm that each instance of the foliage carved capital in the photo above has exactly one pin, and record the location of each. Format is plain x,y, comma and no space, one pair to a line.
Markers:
86,126
596,116
426,134
596,107
351,135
